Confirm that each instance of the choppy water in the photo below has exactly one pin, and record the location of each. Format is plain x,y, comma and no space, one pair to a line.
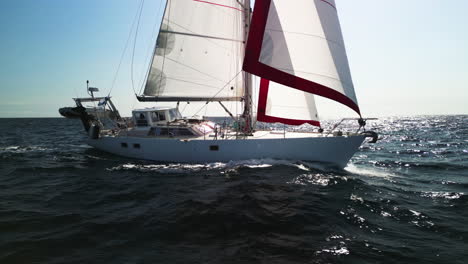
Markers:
403,200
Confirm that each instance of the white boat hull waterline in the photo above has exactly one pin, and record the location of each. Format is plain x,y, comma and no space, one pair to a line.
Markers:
336,151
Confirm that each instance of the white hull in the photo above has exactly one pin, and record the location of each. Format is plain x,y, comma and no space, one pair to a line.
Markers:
333,150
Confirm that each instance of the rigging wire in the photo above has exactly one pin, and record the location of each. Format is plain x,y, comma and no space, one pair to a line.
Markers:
184,108
123,53
76,92
220,90
206,110
151,45
134,43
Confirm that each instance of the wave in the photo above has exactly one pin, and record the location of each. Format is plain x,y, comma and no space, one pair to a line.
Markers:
370,172
412,164
23,149
443,195
19,149
169,168
334,251
318,179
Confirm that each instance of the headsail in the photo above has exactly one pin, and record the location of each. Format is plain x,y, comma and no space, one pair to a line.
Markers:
299,44
199,51
280,104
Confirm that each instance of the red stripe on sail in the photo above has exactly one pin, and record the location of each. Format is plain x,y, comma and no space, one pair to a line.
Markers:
211,3
261,110
253,65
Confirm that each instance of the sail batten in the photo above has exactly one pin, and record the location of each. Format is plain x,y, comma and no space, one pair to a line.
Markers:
198,35
300,46
198,53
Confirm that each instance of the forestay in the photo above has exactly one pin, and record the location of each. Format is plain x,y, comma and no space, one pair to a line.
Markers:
299,44
199,51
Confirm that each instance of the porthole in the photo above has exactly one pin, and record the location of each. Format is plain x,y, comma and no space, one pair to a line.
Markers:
214,147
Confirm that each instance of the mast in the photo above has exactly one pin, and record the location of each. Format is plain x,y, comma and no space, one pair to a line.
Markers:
247,76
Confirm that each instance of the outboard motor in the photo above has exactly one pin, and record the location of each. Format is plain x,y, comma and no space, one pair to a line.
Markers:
94,131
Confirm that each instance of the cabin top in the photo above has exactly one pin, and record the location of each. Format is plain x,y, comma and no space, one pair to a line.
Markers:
155,116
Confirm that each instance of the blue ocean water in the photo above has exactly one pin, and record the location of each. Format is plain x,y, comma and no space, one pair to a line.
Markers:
402,200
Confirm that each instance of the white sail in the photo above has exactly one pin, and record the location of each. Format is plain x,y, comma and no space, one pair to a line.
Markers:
199,52
299,44
281,104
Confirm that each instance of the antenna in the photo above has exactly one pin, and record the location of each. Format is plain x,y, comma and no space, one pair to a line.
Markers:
91,90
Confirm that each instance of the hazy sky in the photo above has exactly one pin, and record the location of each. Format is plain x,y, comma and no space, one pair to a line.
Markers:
406,57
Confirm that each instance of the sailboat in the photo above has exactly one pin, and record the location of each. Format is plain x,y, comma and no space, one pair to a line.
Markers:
209,52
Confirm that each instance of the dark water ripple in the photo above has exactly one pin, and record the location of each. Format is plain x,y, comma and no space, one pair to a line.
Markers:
402,200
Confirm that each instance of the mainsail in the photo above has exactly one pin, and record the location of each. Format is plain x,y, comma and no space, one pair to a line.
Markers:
199,52
298,44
